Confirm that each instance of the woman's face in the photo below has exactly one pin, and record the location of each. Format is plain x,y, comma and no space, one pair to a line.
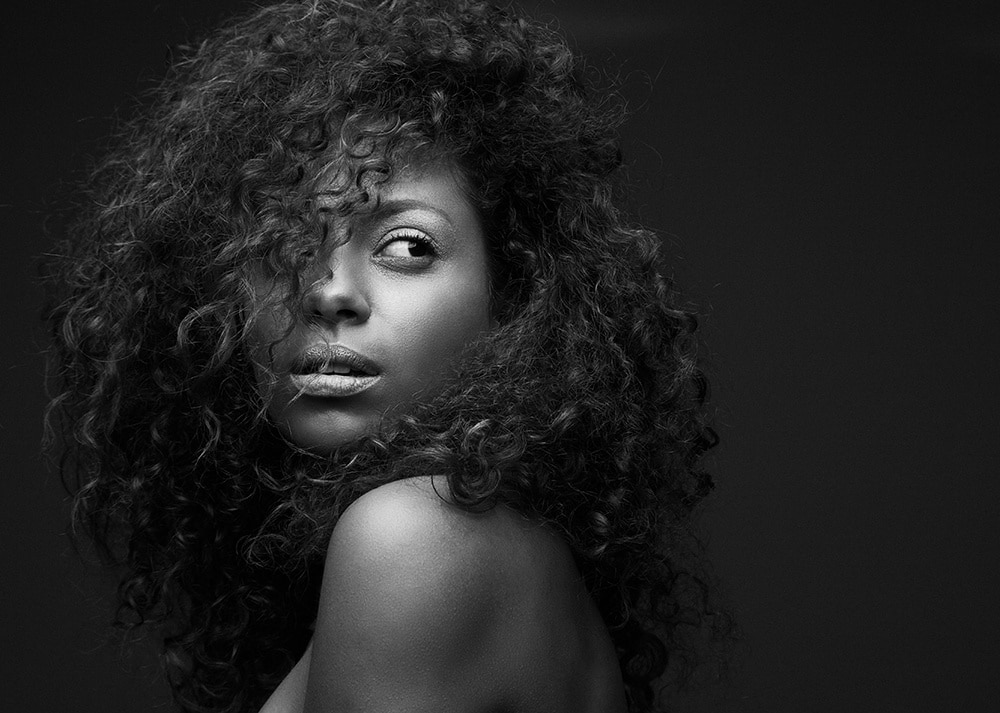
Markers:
395,296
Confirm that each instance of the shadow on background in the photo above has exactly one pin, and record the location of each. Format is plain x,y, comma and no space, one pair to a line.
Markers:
827,182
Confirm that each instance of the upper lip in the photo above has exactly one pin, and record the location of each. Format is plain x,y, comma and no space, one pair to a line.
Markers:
320,357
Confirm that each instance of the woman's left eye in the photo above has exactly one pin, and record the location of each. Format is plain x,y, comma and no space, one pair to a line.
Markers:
407,246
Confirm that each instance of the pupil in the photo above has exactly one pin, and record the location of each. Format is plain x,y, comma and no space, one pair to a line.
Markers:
417,249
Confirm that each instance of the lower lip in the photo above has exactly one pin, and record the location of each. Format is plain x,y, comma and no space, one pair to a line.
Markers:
332,385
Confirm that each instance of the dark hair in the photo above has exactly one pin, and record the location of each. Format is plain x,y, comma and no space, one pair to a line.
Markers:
584,408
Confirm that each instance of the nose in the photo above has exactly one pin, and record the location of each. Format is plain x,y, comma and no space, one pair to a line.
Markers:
337,295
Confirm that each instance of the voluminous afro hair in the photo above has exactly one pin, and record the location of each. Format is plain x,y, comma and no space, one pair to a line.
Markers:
584,408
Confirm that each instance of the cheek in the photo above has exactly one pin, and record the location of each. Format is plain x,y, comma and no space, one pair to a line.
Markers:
444,325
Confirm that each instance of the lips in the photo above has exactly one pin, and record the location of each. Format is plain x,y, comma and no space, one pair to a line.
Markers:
333,359
332,370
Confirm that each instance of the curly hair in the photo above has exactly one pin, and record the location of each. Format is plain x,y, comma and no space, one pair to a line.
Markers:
584,408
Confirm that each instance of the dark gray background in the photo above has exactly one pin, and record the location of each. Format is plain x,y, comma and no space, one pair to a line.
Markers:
825,176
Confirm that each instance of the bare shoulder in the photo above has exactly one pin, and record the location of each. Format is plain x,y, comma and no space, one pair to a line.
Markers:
414,520
407,531
413,595
391,515
425,606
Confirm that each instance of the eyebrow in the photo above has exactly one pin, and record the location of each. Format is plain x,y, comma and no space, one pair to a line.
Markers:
401,205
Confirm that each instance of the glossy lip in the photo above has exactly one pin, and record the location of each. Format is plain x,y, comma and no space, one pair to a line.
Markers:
309,376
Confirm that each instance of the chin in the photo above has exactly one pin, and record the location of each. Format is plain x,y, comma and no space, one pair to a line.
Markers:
324,433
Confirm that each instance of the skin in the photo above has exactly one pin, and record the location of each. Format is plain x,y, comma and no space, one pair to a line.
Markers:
427,608
424,607
405,285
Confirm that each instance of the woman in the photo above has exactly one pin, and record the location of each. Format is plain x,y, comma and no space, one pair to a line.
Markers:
376,397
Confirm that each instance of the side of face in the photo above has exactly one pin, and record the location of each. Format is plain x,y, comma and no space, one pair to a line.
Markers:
395,297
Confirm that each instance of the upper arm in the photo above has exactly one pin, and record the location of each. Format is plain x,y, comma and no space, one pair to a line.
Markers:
410,616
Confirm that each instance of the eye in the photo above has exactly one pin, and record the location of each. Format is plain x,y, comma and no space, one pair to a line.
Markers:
409,248
405,247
